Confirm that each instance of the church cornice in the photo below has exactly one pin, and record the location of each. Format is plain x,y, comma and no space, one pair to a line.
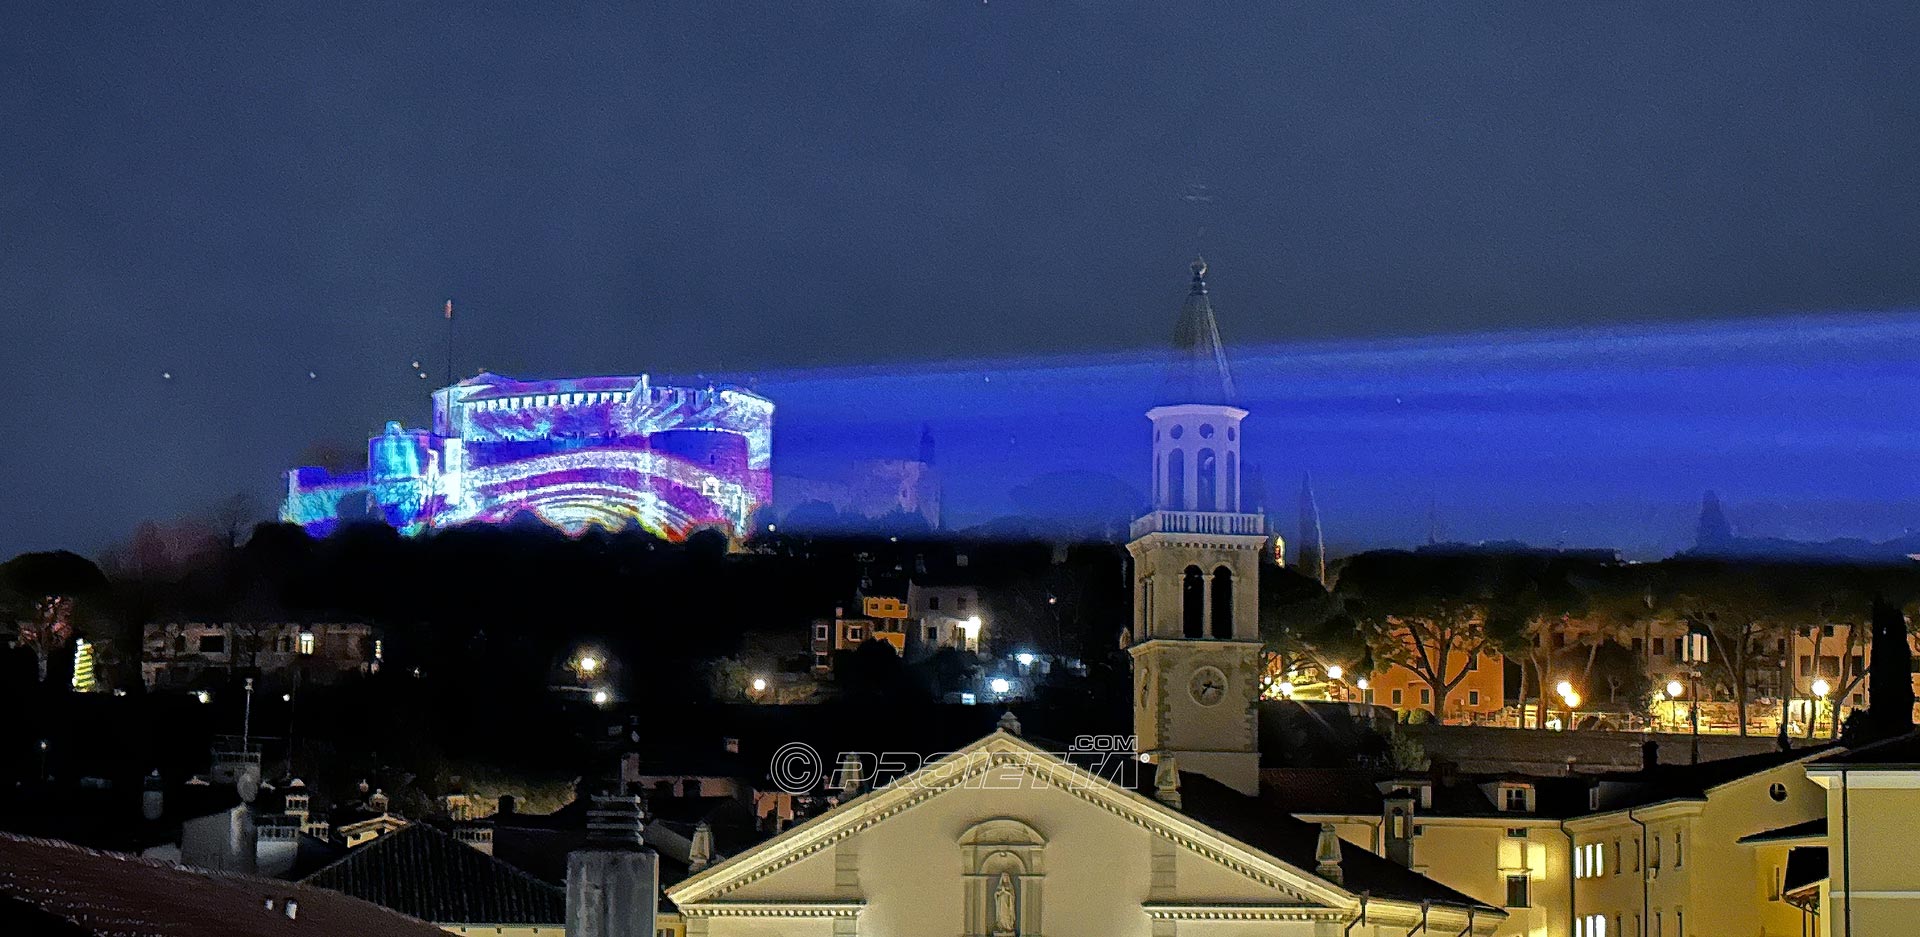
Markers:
824,908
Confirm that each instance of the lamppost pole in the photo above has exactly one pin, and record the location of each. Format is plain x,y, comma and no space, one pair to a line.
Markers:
1693,688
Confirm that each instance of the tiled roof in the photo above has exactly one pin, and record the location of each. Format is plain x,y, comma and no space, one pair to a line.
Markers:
1266,824
425,873
61,889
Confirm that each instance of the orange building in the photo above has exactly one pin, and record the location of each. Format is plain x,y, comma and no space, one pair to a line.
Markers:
1480,693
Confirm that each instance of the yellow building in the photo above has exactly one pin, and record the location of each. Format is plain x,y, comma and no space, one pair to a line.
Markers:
1870,884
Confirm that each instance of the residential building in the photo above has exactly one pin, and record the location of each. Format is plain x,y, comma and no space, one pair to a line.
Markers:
877,618
1865,882
180,655
1479,696
946,613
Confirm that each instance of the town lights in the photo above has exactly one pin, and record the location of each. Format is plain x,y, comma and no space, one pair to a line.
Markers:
1286,689
1335,672
1821,689
1564,688
1675,688
203,696
759,684
1364,684
589,664
1025,658
601,697
1000,685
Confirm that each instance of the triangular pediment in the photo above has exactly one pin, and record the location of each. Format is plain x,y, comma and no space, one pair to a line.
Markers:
977,773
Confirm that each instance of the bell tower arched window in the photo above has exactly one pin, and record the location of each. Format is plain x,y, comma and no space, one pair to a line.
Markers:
1222,603
1193,604
1206,477
1233,484
1176,499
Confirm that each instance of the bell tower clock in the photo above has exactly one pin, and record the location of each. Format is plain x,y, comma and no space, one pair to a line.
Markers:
1196,568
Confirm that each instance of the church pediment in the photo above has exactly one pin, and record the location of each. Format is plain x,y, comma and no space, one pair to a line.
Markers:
1004,831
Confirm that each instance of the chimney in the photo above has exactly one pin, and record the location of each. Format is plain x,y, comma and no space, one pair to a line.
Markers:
153,797
700,852
378,802
1649,755
1442,769
613,882
507,805
850,776
1326,855
1166,781
1399,821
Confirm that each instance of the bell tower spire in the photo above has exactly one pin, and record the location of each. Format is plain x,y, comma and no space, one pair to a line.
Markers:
1196,562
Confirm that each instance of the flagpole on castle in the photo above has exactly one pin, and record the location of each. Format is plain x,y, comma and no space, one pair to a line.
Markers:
449,343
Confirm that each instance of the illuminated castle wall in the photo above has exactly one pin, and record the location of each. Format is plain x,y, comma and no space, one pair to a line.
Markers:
606,451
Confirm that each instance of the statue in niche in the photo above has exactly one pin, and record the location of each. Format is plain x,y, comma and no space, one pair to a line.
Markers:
1005,921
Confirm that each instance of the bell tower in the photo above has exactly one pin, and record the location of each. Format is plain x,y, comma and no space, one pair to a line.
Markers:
1196,568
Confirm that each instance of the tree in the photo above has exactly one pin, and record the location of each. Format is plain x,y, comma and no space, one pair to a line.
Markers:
49,593
1426,611
1890,687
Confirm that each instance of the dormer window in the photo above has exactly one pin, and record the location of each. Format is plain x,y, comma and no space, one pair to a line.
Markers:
1516,798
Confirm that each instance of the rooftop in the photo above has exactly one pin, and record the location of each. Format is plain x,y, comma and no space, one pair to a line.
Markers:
422,872
57,889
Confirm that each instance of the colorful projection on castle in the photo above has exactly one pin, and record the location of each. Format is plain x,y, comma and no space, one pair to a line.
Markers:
595,451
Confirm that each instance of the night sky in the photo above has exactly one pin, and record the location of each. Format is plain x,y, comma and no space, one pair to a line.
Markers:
244,195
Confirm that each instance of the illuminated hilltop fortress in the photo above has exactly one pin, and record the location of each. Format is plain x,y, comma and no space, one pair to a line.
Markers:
605,451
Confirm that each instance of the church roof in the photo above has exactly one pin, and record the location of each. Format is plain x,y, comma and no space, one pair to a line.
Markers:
1198,371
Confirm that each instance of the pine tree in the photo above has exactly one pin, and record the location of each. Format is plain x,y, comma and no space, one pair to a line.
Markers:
1890,678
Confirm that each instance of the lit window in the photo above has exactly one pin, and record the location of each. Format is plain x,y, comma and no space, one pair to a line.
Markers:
306,642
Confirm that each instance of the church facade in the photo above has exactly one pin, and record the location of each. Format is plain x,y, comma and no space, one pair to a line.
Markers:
1010,837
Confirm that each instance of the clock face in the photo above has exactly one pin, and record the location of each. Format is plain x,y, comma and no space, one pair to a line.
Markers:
1208,686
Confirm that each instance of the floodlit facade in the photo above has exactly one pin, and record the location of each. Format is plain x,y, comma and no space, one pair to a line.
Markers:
593,451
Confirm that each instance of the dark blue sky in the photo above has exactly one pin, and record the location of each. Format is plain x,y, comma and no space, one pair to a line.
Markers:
238,195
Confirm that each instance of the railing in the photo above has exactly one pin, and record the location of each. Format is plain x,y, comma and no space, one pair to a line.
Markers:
1198,522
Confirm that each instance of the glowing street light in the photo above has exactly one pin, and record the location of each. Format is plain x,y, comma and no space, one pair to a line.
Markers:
1363,683
601,697
1675,689
1821,688
1573,700
1286,689
203,696
1335,672
589,664
759,684
1564,688
1000,685
1025,658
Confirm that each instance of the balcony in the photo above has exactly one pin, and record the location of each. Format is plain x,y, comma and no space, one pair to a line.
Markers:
1198,522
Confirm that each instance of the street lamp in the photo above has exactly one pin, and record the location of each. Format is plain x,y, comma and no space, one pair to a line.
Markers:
1335,672
601,697
759,684
1673,690
589,664
1820,690
1693,652
1000,685
1286,689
